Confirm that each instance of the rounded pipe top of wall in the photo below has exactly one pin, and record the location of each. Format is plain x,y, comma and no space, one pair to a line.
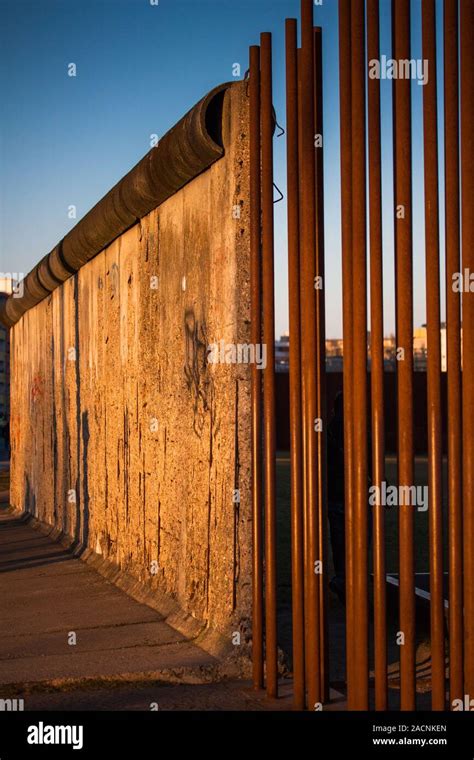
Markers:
189,148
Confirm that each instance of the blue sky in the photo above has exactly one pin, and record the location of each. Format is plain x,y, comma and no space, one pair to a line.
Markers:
67,140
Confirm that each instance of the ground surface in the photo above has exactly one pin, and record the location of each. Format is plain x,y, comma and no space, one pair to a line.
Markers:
126,657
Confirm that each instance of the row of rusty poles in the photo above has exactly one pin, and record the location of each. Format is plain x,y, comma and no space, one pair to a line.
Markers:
307,352
265,648
352,68
305,184
307,364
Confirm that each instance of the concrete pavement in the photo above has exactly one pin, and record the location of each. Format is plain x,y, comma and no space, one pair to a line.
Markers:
72,640
62,623
126,657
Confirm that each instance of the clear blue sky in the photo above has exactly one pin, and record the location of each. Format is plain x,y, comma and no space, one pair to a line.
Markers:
67,140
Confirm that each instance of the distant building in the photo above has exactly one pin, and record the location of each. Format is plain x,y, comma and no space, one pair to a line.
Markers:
444,348
6,288
420,348
389,353
335,352
282,353
334,355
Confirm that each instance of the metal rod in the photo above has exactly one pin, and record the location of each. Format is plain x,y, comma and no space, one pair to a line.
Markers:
303,440
269,432
321,363
298,60
297,535
308,354
346,244
377,357
359,312
435,513
467,226
453,347
256,389
404,330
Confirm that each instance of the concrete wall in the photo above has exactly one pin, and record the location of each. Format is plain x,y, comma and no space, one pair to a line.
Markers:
115,404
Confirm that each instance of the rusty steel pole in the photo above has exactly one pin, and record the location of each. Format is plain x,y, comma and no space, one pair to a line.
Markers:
298,62
435,514
359,314
256,389
404,331
377,358
453,347
308,356
346,240
303,443
297,535
269,426
321,364
467,227
303,440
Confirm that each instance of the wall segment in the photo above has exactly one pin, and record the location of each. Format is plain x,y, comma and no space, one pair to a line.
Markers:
124,437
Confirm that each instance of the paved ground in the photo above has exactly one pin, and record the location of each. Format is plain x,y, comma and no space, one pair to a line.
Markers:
48,598
226,695
125,657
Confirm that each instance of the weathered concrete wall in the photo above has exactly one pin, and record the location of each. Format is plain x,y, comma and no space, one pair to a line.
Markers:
115,405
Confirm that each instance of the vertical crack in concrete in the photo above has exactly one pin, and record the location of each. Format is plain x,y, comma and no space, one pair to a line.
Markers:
54,430
126,462
143,495
79,529
159,531
64,489
236,503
